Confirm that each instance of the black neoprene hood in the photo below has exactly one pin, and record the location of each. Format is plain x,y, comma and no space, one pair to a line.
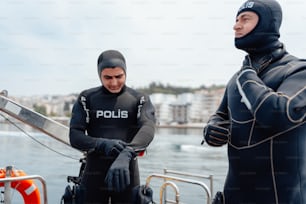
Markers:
266,31
111,59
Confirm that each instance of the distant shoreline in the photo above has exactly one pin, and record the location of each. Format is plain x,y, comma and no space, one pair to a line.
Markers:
179,126
182,126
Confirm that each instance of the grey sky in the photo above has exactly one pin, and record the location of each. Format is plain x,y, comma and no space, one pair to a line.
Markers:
51,46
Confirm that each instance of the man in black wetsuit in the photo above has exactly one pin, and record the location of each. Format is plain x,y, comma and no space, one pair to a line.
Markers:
262,114
112,123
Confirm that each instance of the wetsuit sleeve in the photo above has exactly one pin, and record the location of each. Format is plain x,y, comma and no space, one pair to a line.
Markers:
279,109
146,121
78,124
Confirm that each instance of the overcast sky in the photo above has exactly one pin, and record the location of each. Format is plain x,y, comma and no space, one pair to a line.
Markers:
52,46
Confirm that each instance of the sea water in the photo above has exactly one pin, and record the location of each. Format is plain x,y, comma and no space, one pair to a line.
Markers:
172,149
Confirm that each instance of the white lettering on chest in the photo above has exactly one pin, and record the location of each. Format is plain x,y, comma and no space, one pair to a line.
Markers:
112,114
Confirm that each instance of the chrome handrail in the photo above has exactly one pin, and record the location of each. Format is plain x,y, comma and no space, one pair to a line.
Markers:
174,178
21,178
174,186
181,173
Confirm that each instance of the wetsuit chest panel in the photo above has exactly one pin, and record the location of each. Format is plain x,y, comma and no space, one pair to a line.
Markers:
245,129
113,116
242,119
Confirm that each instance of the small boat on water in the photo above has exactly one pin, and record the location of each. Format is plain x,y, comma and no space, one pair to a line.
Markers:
18,180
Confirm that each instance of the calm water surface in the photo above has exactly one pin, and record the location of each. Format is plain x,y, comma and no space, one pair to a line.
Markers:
175,149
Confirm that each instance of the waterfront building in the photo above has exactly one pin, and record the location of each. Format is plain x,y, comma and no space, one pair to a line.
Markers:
185,108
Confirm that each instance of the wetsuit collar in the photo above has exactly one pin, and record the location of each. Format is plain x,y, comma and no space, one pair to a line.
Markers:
110,93
261,61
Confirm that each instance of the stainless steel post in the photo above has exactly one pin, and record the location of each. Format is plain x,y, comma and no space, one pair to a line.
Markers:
7,186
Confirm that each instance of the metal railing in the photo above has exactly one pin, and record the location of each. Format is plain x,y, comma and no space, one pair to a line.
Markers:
170,180
7,185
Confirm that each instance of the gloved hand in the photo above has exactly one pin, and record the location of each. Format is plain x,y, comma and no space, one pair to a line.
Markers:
118,175
217,134
109,147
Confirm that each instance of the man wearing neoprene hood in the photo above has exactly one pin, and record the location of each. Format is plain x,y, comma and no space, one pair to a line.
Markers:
261,117
112,123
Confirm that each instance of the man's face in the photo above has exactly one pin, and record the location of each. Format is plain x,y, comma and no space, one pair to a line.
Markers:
245,23
113,79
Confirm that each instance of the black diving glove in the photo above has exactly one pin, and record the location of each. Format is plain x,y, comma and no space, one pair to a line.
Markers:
109,147
217,134
118,175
